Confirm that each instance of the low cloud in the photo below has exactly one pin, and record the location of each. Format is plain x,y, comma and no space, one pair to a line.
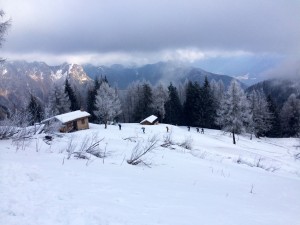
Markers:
100,26
289,68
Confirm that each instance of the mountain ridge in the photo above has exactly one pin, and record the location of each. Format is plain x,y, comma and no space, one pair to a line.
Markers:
19,79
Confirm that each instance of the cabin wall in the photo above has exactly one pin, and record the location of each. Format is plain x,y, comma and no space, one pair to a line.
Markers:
82,123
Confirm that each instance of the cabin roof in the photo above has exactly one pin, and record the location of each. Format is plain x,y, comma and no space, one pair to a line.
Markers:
150,119
70,116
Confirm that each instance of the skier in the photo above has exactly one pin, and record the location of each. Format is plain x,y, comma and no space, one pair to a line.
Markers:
197,129
202,131
143,128
167,129
189,128
120,126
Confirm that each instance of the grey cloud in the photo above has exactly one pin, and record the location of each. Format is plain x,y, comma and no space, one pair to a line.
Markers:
289,68
65,27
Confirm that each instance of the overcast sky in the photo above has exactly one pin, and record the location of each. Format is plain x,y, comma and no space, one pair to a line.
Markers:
146,31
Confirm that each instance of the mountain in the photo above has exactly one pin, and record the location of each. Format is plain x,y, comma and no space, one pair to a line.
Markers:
19,79
278,89
164,72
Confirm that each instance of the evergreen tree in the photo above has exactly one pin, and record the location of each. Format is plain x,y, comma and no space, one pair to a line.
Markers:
35,110
59,102
192,105
290,116
275,129
234,114
91,100
107,103
173,107
144,107
207,106
73,100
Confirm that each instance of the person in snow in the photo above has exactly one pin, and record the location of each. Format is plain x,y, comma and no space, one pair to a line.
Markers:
189,128
202,131
143,128
120,127
167,129
197,129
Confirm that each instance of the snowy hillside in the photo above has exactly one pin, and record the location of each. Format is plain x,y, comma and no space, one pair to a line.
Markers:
255,182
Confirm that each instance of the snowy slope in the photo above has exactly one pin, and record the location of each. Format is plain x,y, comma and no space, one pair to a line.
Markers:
214,183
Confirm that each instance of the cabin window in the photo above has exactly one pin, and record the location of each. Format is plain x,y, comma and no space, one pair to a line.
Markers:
82,121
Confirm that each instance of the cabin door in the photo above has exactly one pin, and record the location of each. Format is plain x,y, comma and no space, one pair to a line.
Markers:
75,125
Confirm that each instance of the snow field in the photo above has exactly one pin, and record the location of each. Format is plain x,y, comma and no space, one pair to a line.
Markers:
205,185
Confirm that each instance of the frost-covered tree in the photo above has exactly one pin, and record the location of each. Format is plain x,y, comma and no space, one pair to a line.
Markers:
218,90
160,97
181,89
261,116
290,116
4,25
234,114
59,102
107,103
130,100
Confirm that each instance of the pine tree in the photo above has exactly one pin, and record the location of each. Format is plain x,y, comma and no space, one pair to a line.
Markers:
173,107
91,100
275,129
59,102
35,110
192,105
73,100
208,109
290,116
107,103
144,107
234,114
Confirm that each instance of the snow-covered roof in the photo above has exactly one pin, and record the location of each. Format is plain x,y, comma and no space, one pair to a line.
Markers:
150,119
70,116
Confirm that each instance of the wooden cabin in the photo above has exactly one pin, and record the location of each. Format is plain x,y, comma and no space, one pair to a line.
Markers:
151,120
71,121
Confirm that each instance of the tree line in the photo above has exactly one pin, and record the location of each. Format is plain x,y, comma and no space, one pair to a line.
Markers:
207,105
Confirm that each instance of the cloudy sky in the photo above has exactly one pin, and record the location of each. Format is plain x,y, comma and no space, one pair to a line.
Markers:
226,36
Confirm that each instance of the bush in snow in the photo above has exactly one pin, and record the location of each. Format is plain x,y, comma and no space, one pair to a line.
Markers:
167,140
187,143
88,147
257,162
140,150
7,129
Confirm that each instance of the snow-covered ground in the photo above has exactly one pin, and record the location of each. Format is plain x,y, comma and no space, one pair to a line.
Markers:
254,182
